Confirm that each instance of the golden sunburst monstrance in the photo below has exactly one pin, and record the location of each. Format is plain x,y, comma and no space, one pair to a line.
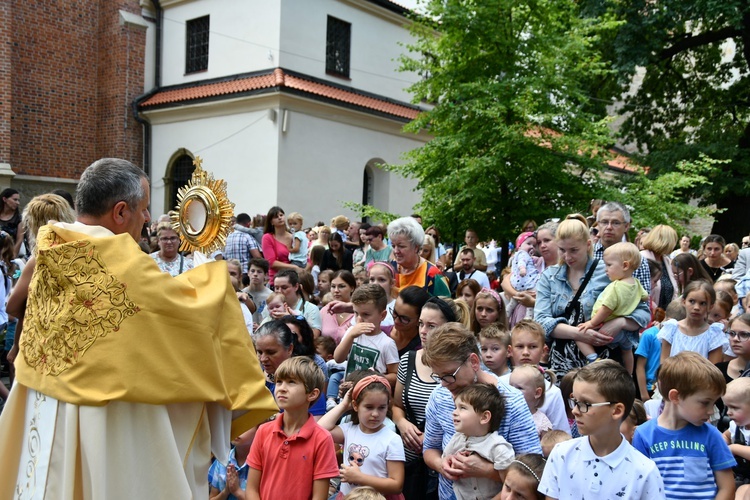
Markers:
203,214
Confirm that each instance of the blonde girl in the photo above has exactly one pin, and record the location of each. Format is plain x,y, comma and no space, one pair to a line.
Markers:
694,333
382,273
530,380
489,308
527,347
373,454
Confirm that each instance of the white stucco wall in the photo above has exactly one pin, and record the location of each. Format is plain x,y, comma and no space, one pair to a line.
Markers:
239,148
244,37
322,162
375,33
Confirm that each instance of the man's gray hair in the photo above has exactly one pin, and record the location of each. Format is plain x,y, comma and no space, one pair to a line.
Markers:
409,227
106,182
613,206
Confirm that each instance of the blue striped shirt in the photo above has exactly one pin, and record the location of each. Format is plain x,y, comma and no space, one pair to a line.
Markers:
686,458
517,426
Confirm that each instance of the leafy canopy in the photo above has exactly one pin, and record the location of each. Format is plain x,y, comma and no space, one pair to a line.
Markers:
512,137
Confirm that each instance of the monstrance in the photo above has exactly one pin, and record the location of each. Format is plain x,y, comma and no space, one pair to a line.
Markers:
203,214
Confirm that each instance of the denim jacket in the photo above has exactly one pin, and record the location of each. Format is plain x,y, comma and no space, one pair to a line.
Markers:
553,292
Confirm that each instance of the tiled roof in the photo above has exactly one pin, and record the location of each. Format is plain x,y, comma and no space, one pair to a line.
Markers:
278,78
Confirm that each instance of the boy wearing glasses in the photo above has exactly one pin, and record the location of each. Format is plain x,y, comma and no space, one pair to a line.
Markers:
691,454
601,463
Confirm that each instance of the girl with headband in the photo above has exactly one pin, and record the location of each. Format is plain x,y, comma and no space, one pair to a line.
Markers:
489,309
522,478
373,454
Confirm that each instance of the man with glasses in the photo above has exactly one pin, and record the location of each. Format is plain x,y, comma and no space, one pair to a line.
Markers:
613,221
240,244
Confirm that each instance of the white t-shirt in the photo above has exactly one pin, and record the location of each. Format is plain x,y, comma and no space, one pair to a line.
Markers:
380,347
371,452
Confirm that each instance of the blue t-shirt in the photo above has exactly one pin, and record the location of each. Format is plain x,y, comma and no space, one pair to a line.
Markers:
302,254
650,348
687,458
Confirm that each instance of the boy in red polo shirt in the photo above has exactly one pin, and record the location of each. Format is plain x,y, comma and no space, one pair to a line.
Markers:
293,457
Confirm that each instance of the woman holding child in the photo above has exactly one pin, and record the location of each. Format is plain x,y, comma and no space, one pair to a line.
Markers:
566,294
454,359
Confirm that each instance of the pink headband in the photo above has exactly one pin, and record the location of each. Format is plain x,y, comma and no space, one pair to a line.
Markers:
494,295
381,263
370,379
523,237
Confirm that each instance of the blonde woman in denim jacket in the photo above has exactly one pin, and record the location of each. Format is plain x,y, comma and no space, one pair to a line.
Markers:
558,286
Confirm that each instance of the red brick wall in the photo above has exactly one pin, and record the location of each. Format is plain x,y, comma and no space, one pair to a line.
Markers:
74,72
5,80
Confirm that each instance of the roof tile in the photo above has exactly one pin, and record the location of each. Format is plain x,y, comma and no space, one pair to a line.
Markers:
278,78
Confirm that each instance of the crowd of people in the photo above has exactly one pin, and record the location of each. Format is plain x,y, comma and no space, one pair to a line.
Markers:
404,368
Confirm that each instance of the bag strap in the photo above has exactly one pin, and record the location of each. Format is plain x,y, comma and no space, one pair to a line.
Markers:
182,261
586,280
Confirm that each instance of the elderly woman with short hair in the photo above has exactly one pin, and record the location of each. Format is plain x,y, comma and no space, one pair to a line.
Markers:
407,237
168,258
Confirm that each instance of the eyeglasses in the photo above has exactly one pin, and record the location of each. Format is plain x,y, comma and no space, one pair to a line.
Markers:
405,320
447,379
743,336
584,407
170,239
613,223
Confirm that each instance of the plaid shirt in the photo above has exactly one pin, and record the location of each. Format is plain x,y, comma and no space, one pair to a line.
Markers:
238,247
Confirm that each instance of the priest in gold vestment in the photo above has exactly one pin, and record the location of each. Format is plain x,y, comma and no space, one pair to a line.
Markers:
127,378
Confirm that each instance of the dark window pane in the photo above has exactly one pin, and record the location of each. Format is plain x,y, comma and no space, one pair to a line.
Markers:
182,170
338,44
196,45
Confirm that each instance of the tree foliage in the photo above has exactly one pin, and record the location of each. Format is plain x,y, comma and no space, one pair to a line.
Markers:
660,200
513,138
694,97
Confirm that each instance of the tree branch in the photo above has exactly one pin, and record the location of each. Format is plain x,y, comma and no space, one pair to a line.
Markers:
693,41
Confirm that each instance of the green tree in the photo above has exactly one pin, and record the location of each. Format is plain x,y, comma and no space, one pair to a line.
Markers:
513,136
694,96
660,200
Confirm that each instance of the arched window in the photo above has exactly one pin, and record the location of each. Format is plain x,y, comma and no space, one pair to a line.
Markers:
181,171
368,187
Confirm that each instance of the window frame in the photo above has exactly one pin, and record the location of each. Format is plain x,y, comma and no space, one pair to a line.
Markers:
197,42
338,47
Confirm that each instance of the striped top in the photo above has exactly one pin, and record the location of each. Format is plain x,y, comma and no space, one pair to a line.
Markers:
687,458
416,394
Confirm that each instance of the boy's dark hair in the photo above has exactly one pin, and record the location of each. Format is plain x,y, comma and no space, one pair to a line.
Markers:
688,373
325,343
289,274
612,381
304,370
484,397
243,219
261,263
370,292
